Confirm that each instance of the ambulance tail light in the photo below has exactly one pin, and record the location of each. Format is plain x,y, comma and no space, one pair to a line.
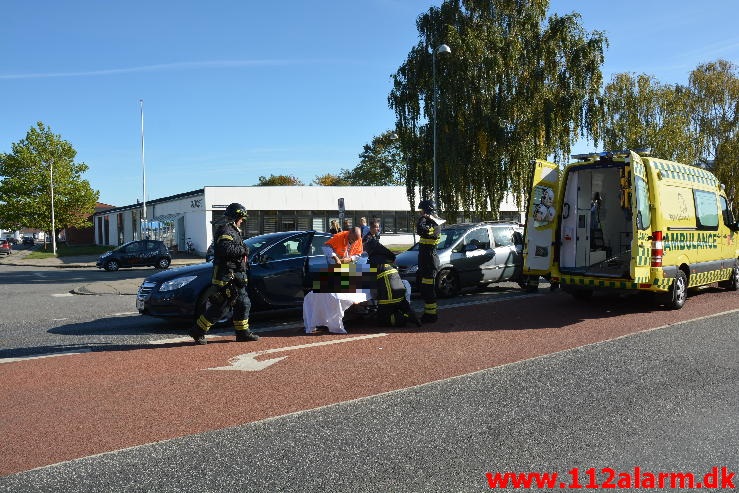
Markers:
658,249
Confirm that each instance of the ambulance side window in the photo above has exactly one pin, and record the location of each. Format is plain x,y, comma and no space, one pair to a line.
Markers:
706,210
643,216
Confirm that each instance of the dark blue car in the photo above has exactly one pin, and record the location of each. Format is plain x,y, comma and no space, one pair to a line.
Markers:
279,265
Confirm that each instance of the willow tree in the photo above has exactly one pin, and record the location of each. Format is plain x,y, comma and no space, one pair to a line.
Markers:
715,93
640,112
516,86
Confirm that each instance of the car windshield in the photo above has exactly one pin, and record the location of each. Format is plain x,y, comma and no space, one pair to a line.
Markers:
447,238
123,247
256,242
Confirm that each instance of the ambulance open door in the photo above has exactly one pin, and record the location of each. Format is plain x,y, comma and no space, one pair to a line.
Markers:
541,223
641,217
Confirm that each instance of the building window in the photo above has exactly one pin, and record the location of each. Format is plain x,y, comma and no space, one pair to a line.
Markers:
287,224
119,221
304,222
318,224
270,222
388,222
404,222
252,224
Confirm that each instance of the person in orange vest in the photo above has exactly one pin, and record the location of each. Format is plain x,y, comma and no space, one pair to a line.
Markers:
344,247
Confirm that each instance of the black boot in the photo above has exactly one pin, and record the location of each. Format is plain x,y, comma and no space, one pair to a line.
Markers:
246,336
428,318
198,335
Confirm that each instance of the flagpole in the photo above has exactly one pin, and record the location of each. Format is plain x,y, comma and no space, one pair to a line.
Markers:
143,167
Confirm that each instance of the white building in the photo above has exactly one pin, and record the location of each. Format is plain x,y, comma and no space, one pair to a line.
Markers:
189,215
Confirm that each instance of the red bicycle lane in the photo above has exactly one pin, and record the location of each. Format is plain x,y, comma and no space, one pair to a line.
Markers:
68,407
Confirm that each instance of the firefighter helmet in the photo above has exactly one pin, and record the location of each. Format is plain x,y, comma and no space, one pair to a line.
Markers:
427,206
235,211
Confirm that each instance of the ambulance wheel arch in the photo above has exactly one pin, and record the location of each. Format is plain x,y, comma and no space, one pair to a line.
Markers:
678,293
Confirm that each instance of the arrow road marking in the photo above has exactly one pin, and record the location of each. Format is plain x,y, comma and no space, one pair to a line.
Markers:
247,362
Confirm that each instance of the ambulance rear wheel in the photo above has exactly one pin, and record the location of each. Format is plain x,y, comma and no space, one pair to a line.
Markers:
678,292
732,284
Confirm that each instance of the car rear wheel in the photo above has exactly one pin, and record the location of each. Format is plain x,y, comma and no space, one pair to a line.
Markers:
112,265
675,298
447,283
732,284
163,263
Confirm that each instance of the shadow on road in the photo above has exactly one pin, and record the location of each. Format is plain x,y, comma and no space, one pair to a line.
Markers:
549,310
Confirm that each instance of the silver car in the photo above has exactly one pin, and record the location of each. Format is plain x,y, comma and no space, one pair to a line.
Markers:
470,255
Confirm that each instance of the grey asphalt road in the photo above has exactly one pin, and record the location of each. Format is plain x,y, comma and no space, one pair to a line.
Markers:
663,400
41,313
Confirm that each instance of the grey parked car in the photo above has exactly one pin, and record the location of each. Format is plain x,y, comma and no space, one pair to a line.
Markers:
470,255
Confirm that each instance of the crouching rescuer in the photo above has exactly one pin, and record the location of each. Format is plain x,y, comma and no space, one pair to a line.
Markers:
393,308
229,280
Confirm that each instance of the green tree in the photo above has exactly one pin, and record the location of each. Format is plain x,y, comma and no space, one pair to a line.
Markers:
330,180
25,184
273,180
727,170
381,163
642,113
715,92
516,86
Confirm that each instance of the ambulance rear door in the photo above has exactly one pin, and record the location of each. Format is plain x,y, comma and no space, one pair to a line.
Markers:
541,219
641,217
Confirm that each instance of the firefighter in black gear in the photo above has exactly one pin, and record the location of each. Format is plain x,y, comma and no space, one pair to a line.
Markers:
428,261
393,308
229,280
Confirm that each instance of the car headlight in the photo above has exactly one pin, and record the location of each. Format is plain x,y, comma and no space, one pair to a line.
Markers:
412,269
176,283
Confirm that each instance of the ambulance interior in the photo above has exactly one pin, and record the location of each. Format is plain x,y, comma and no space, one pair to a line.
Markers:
595,236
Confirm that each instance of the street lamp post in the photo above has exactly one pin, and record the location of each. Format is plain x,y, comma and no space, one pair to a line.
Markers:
440,49
53,226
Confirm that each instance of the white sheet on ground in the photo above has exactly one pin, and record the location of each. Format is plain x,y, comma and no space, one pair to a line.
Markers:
328,309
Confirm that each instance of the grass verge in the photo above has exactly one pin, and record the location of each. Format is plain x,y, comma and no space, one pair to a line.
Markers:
67,251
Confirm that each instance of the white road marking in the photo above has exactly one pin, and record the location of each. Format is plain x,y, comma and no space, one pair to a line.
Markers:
47,355
176,339
59,319
61,295
247,362
123,314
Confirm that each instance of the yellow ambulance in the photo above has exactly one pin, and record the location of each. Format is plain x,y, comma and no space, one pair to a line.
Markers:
621,220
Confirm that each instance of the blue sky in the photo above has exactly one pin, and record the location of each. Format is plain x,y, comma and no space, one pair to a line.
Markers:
237,89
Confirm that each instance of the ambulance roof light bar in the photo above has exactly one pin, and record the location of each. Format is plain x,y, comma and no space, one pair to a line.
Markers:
642,151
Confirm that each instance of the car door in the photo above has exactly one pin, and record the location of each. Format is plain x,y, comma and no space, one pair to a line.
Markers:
507,254
473,257
278,271
130,254
149,250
